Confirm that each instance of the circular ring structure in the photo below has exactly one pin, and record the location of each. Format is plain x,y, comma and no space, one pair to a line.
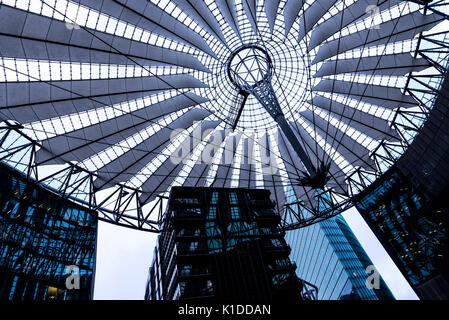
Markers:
248,66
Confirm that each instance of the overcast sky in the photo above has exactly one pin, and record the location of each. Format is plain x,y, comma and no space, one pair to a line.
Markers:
124,256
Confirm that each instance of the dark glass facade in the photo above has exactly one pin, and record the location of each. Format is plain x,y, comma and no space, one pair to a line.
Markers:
425,163
413,230
223,244
46,243
408,210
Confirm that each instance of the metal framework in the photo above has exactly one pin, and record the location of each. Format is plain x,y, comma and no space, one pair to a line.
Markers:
434,48
120,206
252,74
96,99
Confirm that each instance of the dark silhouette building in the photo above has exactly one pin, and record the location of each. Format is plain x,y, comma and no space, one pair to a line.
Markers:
413,230
407,207
223,244
47,243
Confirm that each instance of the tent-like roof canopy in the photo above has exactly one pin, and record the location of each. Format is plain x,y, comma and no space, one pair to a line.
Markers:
124,99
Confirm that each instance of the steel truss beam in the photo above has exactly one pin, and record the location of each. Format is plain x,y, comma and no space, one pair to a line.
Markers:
297,215
407,122
424,88
119,205
263,91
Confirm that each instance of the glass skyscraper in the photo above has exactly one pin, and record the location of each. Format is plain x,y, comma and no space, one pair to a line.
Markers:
328,255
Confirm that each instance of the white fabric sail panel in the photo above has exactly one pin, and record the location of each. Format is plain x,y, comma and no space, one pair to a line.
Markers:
374,127
152,18
350,14
387,97
85,142
127,165
247,176
291,12
391,64
224,172
168,171
251,13
60,108
228,10
30,93
271,9
398,29
136,53
201,14
345,145
312,15
198,174
54,32
270,172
